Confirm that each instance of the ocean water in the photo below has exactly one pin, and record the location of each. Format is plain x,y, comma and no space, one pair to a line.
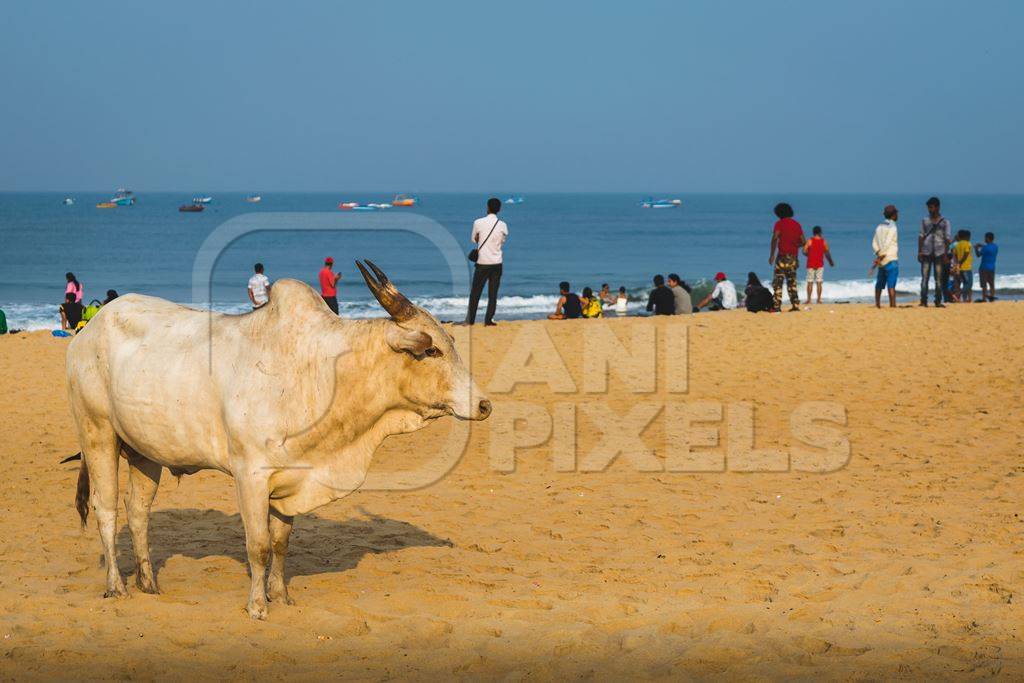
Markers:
587,239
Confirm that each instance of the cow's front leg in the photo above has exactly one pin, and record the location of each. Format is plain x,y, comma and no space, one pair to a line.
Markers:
254,505
280,530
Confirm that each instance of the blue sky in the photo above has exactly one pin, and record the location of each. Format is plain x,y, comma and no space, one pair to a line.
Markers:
762,96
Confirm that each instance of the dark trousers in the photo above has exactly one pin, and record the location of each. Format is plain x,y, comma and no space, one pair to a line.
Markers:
933,267
332,303
491,274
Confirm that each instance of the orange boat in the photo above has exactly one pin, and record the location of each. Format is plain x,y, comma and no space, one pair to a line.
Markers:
403,200
106,205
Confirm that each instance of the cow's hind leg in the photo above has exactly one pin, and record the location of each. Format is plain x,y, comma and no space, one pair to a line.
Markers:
101,451
254,506
143,481
280,530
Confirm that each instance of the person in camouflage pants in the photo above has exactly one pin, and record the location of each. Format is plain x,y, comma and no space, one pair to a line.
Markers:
785,268
787,240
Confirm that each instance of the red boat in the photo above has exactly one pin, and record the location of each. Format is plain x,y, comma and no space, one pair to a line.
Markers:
190,208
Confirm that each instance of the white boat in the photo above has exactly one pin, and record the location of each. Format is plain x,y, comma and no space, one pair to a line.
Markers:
661,203
68,201
517,199
254,199
202,200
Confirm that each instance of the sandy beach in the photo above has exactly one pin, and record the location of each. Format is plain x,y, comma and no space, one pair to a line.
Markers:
905,559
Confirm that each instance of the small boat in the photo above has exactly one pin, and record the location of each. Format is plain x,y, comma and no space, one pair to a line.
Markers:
202,200
68,201
122,197
254,199
191,208
514,200
661,203
404,200
356,206
380,206
106,205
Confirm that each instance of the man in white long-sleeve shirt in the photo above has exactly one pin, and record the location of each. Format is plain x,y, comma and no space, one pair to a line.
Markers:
489,234
886,247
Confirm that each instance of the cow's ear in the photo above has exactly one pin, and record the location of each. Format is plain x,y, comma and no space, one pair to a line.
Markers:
409,341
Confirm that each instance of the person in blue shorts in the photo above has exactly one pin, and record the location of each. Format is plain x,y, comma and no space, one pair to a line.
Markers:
886,247
987,252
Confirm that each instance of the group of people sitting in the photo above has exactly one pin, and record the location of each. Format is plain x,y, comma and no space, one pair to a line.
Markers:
73,314
668,297
588,304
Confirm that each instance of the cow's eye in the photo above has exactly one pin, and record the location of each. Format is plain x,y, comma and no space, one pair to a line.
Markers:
433,352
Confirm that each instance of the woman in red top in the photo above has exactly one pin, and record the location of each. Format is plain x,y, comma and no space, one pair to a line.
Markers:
788,239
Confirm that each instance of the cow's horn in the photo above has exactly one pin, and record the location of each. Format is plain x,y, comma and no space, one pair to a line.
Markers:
381,277
397,306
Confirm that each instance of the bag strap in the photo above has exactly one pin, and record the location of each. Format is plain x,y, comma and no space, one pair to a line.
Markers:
481,245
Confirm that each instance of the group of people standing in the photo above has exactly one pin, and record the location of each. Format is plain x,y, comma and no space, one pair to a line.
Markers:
946,263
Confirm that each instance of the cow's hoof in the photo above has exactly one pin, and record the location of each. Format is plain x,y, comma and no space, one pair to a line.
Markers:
281,599
258,612
147,586
118,592
279,595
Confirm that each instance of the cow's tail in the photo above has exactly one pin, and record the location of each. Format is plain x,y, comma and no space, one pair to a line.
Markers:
82,491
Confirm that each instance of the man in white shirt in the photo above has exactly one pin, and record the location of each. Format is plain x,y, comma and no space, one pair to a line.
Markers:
259,288
722,297
886,247
489,235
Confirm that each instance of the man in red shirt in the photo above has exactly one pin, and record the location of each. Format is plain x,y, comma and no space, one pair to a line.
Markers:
329,284
788,239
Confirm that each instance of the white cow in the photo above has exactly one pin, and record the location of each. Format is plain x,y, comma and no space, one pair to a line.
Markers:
290,400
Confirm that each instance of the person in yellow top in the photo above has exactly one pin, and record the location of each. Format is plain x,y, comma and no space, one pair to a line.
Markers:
963,254
591,304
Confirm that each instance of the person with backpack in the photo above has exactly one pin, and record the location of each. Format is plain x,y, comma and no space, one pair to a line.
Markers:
489,235
933,242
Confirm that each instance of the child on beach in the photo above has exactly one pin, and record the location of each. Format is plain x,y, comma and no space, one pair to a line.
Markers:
952,292
816,250
963,260
987,252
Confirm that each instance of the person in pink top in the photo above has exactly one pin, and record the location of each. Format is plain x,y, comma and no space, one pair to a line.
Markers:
74,287
329,284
